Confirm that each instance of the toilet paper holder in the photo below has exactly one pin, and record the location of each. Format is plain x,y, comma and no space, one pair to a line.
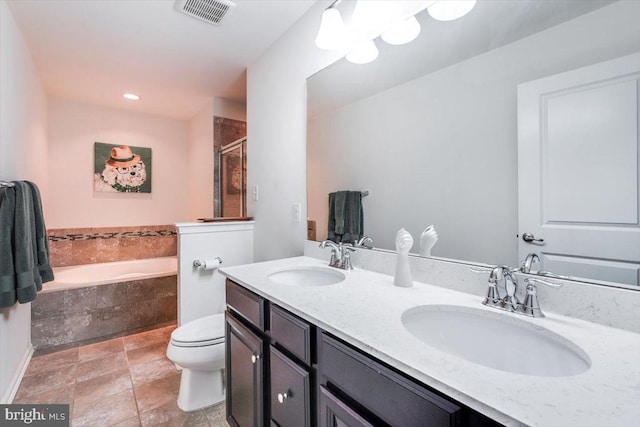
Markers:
207,264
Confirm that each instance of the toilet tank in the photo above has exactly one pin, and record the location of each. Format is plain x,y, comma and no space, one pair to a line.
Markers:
202,292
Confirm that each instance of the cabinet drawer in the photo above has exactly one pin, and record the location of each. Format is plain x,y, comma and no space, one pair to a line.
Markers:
290,392
246,304
334,412
291,332
386,394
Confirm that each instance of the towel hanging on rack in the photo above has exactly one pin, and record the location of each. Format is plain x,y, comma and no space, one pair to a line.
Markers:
346,217
24,251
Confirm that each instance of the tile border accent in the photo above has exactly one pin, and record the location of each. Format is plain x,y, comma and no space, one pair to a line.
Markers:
120,235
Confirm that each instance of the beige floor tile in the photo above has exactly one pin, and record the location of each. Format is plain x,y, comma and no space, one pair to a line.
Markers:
108,411
157,393
63,395
45,381
166,332
217,415
131,422
52,361
103,385
100,349
171,415
147,353
143,373
143,339
104,365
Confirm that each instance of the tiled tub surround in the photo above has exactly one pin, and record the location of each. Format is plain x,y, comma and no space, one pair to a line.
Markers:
365,310
67,316
75,246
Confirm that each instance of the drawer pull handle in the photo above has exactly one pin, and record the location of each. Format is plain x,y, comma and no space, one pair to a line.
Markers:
282,397
255,358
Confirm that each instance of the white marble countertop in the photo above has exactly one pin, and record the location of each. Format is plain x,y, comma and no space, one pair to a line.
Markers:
365,310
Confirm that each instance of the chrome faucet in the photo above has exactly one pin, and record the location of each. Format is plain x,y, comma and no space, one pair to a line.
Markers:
340,256
366,242
528,262
510,302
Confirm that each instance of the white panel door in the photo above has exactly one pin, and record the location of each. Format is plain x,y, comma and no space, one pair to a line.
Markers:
578,171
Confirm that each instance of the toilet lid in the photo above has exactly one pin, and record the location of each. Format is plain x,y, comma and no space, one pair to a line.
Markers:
200,332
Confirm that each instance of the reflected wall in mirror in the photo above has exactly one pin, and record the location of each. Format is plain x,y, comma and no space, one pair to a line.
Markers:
430,128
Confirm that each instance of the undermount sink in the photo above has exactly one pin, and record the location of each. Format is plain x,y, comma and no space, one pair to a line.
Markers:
496,340
307,276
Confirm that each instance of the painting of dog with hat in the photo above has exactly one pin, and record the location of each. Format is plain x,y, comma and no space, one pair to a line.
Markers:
122,169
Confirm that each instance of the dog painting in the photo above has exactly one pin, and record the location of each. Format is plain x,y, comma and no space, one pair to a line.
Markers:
122,169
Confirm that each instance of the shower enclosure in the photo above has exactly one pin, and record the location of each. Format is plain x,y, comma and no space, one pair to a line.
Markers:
232,179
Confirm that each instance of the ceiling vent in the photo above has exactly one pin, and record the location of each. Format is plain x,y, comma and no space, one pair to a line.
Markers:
211,11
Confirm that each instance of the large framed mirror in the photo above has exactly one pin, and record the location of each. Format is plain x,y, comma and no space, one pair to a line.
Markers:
430,129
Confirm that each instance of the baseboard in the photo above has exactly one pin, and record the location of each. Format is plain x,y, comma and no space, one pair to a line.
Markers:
10,394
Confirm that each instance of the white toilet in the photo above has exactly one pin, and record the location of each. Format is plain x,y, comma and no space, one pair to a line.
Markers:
198,348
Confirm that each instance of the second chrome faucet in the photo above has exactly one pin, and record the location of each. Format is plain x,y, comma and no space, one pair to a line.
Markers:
510,302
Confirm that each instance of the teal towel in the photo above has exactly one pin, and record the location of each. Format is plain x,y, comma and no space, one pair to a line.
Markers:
24,250
346,219
42,243
28,279
7,272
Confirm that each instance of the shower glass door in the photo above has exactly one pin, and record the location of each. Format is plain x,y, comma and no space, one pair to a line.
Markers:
233,177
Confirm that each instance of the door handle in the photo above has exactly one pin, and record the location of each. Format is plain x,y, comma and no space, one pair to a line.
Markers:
529,238
255,358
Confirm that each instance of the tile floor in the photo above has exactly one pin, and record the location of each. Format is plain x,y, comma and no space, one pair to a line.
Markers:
122,382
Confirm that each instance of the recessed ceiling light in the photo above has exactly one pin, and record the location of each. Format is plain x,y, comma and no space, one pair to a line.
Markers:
130,96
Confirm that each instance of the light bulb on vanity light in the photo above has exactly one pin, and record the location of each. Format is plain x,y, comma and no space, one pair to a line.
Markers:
130,96
448,10
402,32
332,34
364,53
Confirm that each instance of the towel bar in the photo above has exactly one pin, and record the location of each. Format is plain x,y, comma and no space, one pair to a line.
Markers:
6,184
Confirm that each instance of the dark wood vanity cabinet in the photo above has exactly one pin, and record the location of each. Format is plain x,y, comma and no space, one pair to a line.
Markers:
268,363
283,371
245,374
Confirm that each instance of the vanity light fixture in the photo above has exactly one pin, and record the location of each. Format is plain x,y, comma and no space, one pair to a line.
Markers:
393,20
449,10
130,96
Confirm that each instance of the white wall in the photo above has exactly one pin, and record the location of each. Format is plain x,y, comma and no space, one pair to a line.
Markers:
276,131
442,149
229,109
200,167
74,128
23,151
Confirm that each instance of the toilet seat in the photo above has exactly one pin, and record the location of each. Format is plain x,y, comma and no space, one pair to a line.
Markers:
206,331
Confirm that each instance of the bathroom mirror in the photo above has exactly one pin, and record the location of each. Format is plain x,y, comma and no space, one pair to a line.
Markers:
429,129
